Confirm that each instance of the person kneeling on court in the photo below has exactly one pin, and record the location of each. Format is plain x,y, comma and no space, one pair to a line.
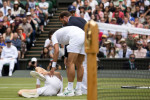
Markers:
53,85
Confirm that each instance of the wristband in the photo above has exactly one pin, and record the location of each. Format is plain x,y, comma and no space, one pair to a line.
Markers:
54,64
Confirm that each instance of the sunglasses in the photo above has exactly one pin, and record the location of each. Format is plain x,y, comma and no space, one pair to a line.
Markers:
124,46
132,57
139,44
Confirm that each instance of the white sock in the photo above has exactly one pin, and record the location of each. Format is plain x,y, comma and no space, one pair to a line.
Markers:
78,85
0,73
10,72
70,85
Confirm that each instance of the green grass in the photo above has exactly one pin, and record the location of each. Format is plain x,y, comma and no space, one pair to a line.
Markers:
108,89
10,86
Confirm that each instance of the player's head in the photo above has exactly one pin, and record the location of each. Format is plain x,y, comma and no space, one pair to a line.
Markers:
64,16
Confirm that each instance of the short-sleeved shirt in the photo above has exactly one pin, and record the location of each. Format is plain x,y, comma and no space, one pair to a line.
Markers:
26,27
44,4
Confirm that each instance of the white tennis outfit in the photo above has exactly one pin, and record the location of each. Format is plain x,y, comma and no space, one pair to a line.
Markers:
52,86
71,35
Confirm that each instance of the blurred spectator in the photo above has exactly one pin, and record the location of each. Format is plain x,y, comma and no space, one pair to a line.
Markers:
1,5
103,40
119,20
93,4
20,4
23,49
131,63
98,13
137,12
6,22
122,41
124,52
17,21
121,5
107,15
17,43
148,49
112,53
13,26
120,13
16,9
105,50
1,48
45,53
83,14
8,34
136,39
137,23
111,7
86,6
144,39
21,34
2,43
78,3
113,21
32,22
27,8
5,8
48,41
140,52
2,27
133,6
44,6
31,4
9,56
40,15
130,41
1,15
28,30
118,37
126,22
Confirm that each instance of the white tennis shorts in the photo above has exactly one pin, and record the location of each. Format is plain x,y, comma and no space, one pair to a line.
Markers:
51,88
76,45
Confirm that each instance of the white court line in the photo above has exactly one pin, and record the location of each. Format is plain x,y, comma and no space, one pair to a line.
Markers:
39,98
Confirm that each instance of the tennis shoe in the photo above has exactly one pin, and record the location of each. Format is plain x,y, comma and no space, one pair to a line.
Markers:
30,95
78,92
66,93
37,75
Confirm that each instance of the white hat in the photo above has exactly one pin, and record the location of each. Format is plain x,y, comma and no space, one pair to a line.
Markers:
34,59
12,21
28,13
16,2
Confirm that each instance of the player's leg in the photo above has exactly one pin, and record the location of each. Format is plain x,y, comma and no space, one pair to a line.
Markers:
2,62
80,71
71,74
28,93
11,66
84,80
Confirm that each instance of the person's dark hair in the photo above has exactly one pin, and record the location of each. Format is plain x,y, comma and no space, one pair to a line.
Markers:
132,55
15,9
51,32
43,50
64,13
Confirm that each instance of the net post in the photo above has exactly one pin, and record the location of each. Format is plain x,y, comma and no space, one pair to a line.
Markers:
91,48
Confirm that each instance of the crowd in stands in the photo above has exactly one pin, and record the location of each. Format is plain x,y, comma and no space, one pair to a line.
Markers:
20,23
130,13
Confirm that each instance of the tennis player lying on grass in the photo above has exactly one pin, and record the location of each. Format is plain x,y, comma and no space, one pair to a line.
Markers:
53,85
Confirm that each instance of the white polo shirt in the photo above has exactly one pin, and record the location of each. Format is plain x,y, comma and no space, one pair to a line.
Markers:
44,4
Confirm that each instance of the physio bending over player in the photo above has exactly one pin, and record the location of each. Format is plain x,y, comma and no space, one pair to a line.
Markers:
73,36
53,85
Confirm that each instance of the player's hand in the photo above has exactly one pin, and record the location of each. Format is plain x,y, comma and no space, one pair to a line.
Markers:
52,71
